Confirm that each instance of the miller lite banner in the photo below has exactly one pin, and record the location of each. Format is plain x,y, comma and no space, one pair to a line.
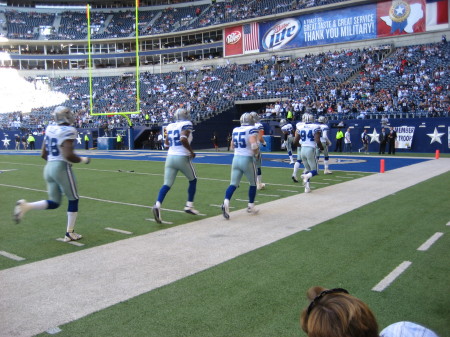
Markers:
382,19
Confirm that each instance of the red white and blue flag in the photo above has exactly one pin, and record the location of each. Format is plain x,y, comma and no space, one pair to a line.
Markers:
437,14
251,38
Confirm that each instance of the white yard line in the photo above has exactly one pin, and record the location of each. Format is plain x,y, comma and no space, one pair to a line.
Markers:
118,230
427,244
392,276
11,256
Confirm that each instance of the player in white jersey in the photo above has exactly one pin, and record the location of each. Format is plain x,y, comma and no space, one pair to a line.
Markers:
58,151
308,135
288,131
258,159
179,158
246,147
326,142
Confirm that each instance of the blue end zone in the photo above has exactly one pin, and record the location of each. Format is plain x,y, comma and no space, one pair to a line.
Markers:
340,163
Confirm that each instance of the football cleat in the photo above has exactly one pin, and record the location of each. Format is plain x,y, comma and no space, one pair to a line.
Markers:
260,186
72,236
294,179
307,188
19,210
157,214
327,172
292,162
226,211
304,178
191,210
252,210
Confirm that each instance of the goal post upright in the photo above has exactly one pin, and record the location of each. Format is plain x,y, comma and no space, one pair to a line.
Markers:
91,101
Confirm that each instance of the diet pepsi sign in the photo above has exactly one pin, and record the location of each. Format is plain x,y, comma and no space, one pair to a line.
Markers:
280,34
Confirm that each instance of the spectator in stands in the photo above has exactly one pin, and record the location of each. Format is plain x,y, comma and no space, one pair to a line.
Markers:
384,121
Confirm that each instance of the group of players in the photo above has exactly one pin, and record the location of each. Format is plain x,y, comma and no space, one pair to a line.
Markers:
58,151
311,139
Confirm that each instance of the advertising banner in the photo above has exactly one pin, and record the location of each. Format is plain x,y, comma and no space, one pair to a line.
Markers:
341,25
346,24
233,41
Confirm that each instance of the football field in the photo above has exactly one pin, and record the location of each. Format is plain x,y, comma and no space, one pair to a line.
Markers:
205,276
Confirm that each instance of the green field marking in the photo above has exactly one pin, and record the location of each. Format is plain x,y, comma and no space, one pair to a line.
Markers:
261,293
110,198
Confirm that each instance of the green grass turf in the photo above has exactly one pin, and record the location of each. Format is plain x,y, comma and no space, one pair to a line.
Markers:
35,237
262,292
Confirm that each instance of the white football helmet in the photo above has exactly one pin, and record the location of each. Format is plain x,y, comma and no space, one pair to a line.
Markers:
63,115
255,116
283,122
323,119
307,118
181,115
247,119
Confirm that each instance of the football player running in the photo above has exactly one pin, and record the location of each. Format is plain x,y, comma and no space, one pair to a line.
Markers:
326,142
179,158
246,148
258,159
308,133
58,151
288,131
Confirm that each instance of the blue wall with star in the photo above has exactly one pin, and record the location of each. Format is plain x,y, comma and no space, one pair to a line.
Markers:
430,134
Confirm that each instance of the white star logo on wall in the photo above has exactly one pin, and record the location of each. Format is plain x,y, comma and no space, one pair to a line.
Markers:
6,142
374,136
435,136
78,139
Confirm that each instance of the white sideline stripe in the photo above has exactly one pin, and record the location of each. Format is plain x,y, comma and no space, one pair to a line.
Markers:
162,221
118,230
73,243
386,282
269,195
11,256
427,244
332,180
288,191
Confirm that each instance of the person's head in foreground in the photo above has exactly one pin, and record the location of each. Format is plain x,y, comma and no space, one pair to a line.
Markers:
336,313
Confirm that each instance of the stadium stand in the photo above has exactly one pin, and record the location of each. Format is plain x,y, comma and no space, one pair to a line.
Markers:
343,85
72,25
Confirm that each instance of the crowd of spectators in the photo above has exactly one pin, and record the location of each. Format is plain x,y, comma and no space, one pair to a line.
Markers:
72,25
347,84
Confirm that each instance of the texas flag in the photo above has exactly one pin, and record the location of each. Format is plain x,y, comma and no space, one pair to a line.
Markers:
400,17
437,14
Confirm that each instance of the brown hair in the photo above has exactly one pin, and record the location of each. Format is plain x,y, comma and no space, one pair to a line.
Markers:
335,313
